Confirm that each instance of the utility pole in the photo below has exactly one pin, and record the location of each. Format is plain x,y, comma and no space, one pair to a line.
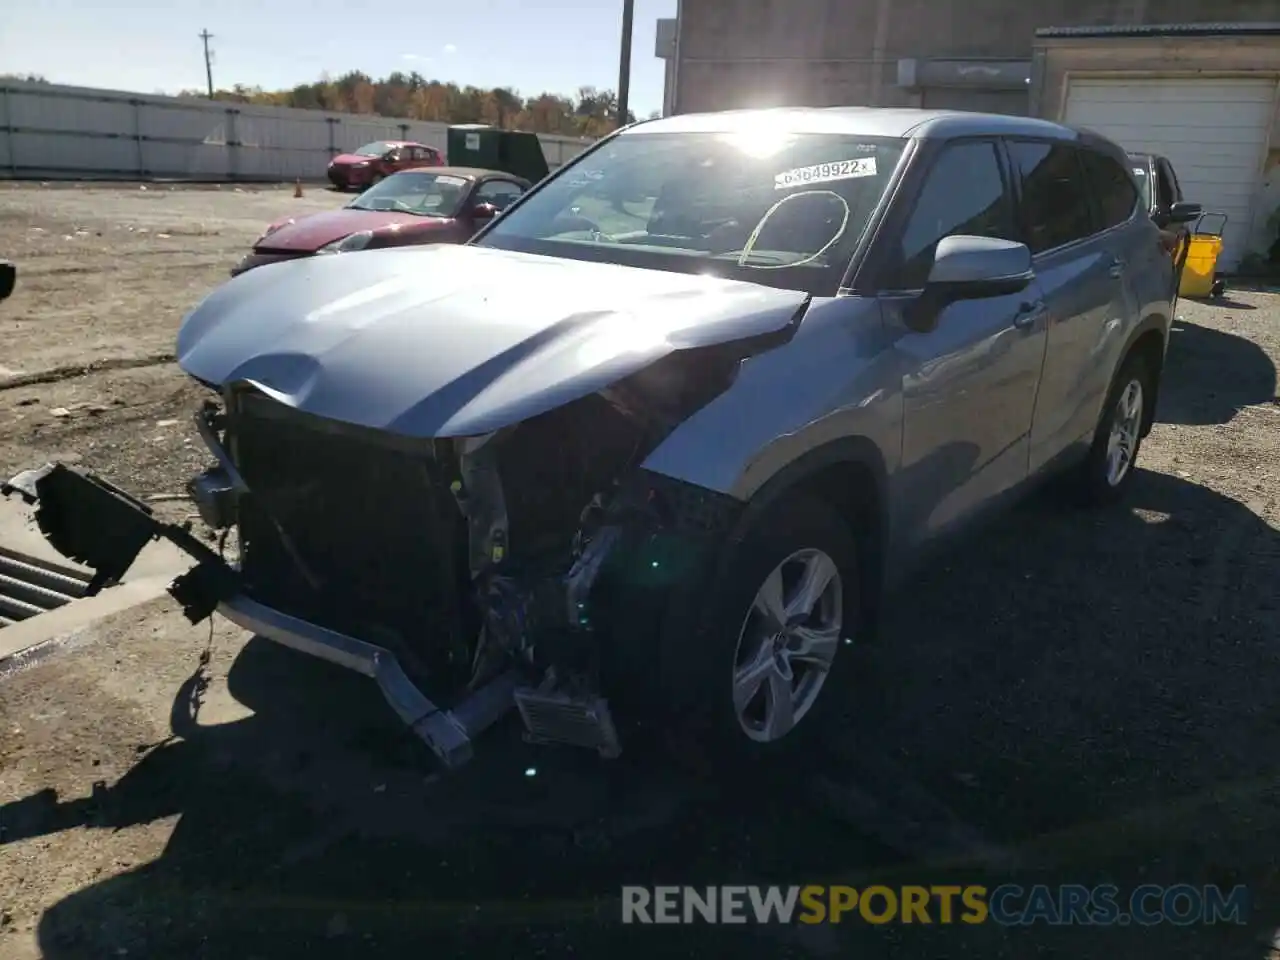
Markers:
206,36
624,60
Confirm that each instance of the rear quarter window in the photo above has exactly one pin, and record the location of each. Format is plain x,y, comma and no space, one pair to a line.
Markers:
1112,187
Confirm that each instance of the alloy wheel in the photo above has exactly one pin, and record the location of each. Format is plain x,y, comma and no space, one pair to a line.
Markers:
1126,429
786,645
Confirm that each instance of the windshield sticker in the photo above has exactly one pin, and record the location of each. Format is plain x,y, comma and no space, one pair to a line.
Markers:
450,181
825,173
1139,172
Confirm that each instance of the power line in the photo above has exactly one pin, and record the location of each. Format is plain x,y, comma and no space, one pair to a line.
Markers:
206,36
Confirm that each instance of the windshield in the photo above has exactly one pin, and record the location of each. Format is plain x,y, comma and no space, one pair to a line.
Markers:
1144,185
415,191
374,149
785,210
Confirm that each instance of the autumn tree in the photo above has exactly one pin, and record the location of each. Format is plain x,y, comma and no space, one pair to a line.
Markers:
592,113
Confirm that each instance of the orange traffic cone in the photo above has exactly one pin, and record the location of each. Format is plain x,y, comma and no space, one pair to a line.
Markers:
297,188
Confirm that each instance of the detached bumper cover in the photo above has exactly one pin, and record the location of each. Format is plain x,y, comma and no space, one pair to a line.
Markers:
96,524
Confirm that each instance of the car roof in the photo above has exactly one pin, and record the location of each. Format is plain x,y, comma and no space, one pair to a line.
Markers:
867,121
466,173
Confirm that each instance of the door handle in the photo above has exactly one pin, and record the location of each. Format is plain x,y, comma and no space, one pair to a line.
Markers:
1117,269
1028,314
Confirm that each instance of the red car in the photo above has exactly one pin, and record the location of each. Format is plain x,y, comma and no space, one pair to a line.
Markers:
376,160
440,205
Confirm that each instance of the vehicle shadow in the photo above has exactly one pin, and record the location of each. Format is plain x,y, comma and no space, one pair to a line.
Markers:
1210,375
1098,697
1095,698
1089,693
1225,302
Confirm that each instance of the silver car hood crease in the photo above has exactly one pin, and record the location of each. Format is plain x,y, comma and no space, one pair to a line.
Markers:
458,340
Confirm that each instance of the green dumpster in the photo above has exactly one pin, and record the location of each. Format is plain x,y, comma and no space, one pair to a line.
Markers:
511,151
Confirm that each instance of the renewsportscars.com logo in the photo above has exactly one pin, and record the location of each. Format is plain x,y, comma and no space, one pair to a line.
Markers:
1007,905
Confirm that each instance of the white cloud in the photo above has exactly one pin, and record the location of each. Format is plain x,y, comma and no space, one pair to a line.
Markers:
450,49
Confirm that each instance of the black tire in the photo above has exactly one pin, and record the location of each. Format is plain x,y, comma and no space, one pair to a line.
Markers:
1097,486
703,728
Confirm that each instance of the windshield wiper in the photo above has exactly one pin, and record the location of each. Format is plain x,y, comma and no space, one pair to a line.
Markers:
755,259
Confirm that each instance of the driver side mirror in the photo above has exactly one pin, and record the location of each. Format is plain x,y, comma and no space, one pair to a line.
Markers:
484,211
970,268
1184,211
8,278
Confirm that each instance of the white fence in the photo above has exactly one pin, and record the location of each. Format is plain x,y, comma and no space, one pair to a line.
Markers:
55,132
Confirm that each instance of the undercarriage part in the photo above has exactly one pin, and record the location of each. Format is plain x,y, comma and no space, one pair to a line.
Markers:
671,535
554,464
665,394
214,495
582,577
376,523
90,528
64,494
480,497
580,721
448,733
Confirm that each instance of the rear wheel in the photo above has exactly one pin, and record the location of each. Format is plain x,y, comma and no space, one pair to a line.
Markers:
1108,471
771,666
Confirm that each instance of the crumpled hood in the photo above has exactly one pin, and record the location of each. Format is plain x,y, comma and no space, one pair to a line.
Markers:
457,340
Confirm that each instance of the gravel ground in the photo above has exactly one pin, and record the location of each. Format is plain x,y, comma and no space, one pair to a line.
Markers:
1085,691
106,273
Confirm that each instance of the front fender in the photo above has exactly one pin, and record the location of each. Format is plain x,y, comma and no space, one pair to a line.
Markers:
835,380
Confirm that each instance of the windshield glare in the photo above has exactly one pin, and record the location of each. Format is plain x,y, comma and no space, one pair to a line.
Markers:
373,149
418,192
784,210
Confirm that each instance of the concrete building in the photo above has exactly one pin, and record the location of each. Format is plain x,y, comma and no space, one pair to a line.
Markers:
1203,91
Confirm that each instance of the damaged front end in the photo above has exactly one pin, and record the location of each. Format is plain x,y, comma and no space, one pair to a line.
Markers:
529,567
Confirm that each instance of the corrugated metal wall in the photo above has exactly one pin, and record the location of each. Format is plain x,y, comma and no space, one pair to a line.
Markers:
54,131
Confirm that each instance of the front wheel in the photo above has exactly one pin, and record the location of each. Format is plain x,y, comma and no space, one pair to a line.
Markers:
1108,471
771,666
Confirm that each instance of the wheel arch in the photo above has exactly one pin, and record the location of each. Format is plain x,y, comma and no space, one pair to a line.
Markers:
1149,340
850,475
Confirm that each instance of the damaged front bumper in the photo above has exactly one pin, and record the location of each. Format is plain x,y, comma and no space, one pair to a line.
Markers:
96,524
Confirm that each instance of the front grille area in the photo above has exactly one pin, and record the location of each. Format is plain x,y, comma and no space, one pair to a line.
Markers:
374,525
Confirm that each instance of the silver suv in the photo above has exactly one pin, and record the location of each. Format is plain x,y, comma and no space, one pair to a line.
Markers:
647,451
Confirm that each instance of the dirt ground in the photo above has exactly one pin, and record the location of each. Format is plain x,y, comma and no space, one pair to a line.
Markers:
1087,693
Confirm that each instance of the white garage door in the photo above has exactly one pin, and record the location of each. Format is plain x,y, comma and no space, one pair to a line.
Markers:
1214,132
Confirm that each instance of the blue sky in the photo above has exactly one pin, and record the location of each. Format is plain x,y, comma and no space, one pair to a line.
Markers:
152,45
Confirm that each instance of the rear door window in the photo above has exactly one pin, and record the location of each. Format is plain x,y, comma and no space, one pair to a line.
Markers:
964,193
1056,206
1168,181
1112,188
